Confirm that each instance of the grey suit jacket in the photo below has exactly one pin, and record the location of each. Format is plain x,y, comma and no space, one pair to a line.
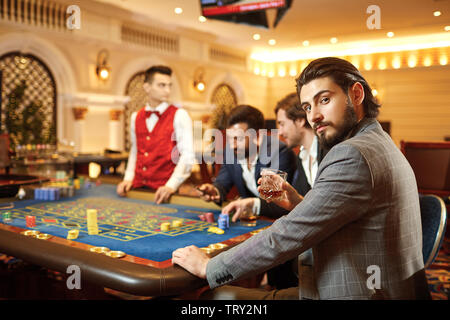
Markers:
362,220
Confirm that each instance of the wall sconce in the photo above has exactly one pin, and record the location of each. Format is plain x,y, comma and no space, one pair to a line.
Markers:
199,83
103,70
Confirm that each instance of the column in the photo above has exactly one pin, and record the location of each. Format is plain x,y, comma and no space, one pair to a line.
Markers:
79,113
114,130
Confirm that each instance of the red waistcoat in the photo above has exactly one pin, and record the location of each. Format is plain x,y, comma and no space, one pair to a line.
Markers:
154,164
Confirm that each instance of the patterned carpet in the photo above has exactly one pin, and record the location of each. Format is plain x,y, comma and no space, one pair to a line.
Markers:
438,274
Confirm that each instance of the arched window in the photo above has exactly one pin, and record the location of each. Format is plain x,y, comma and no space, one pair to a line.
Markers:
28,104
224,99
138,98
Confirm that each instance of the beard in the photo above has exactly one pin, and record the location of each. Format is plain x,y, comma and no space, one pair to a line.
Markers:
342,130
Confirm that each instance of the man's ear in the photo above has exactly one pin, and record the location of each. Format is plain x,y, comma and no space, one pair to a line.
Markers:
356,93
300,121
146,86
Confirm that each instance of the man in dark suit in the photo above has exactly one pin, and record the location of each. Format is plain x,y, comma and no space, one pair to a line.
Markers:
248,150
295,130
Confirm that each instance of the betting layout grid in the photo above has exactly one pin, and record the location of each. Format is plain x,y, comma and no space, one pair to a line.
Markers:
123,220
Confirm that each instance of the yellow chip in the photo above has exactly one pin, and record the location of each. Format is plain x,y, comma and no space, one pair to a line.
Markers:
177,223
93,230
116,254
44,236
99,249
91,214
165,226
215,230
72,234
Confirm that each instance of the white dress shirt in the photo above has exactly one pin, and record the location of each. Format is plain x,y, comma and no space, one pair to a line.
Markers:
182,124
309,161
249,178
249,175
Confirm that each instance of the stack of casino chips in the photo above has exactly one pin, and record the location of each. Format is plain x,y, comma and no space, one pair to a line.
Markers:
208,217
30,221
92,225
7,217
223,221
53,193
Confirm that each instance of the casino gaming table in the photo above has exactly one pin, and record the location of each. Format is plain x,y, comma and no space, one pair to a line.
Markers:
130,225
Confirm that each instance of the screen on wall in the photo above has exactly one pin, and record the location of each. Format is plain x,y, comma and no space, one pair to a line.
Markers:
250,12
224,7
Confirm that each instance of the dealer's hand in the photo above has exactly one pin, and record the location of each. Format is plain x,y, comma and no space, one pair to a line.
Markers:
192,259
124,187
163,194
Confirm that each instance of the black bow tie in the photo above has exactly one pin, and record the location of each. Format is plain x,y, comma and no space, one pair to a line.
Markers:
149,113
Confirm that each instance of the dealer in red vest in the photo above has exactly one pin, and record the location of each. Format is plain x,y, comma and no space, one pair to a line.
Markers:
162,153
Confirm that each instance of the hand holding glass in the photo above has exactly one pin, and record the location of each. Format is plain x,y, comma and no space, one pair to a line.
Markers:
271,187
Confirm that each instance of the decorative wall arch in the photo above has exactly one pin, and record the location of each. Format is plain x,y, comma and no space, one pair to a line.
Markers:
54,59
229,79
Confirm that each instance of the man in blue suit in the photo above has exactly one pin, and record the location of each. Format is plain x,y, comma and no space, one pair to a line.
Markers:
248,150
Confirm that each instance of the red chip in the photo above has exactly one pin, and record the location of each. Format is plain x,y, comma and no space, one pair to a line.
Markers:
209,217
31,221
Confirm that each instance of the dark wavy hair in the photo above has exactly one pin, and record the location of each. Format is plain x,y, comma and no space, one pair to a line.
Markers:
291,105
344,74
150,72
246,114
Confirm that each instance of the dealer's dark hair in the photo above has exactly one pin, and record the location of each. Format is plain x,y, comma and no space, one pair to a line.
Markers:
150,72
246,114
291,106
344,74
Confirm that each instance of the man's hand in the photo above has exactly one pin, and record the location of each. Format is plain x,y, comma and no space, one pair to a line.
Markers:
192,259
209,192
239,207
124,187
163,194
291,197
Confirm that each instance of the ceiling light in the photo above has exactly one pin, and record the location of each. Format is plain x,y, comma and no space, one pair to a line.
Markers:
333,40
178,10
272,42
390,34
202,19
367,65
412,61
256,36
305,43
396,63
437,13
293,71
427,61
282,72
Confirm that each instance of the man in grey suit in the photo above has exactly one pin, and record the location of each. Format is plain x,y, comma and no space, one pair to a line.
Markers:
361,218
